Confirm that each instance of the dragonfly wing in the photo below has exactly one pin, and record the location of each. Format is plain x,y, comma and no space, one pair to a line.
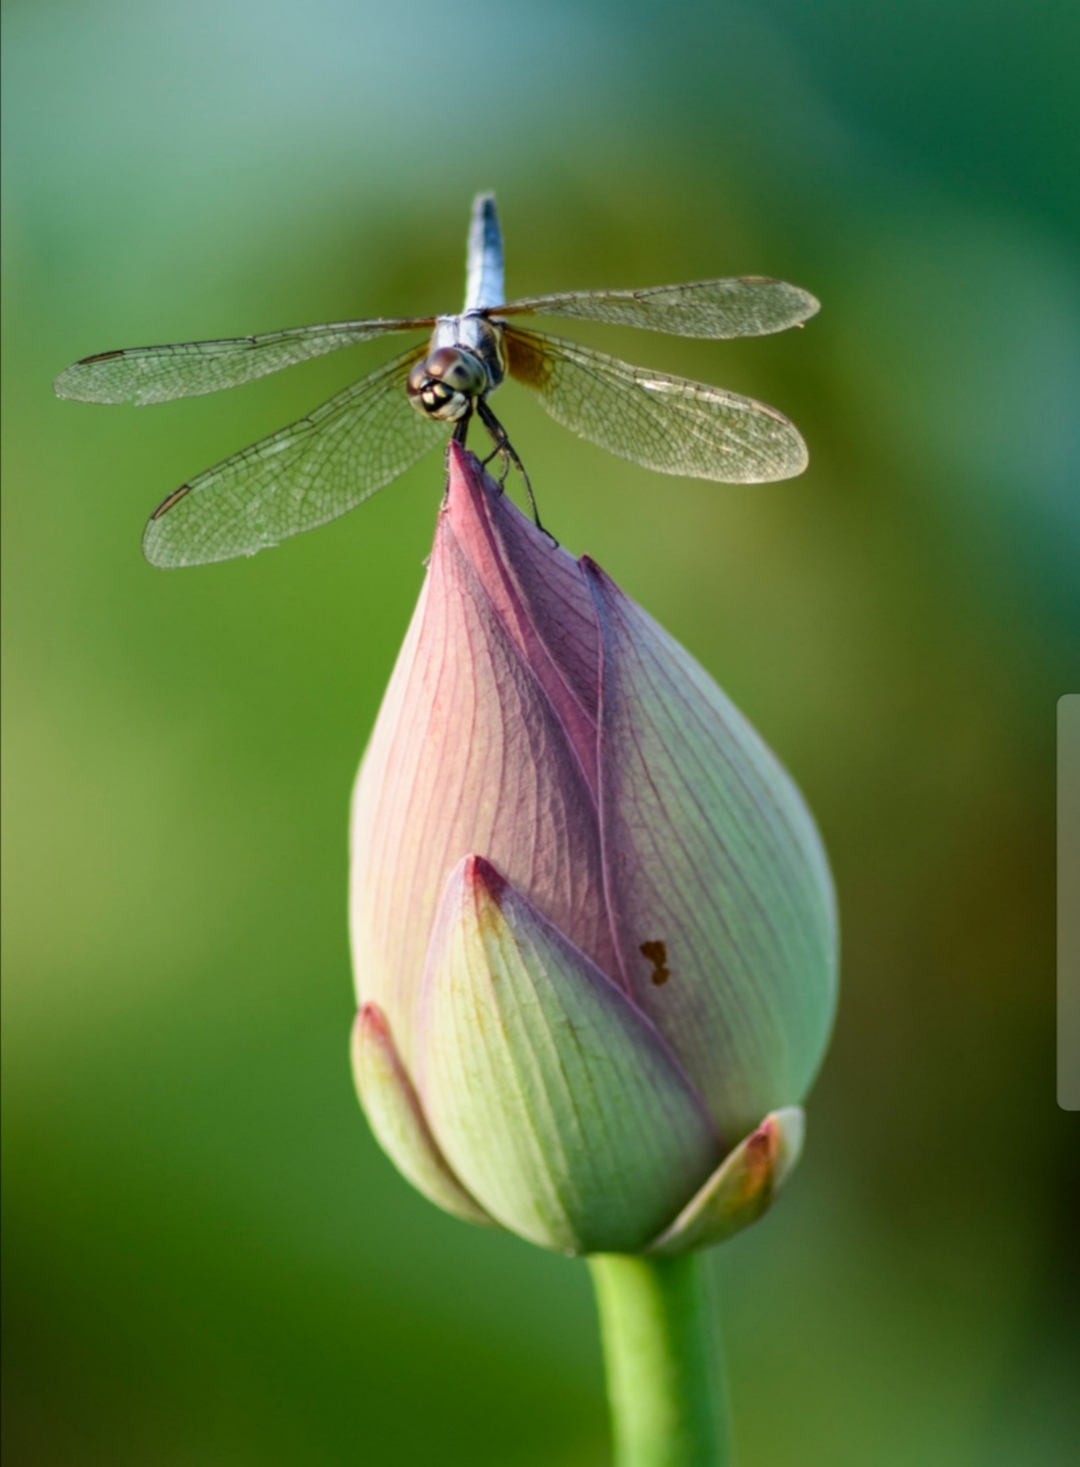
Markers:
718,309
299,477
146,374
662,422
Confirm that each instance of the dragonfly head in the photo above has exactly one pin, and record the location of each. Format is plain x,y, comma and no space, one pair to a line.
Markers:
445,383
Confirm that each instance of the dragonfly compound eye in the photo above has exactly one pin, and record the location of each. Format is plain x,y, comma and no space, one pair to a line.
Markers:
443,384
460,370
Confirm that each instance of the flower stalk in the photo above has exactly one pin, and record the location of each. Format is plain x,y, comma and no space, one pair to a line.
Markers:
662,1357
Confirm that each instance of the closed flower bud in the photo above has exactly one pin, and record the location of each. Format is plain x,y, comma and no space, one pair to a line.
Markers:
593,924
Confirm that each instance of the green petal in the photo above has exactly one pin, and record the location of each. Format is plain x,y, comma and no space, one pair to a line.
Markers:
552,1097
718,886
741,1189
397,1119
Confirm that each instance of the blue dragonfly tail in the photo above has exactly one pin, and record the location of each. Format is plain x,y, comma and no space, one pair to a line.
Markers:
484,286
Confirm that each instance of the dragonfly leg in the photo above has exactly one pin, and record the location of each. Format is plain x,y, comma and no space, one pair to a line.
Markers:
461,429
506,448
498,452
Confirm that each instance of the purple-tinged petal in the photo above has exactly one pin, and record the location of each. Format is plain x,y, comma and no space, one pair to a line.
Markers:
539,591
719,890
468,754
553,1098
741,1189
397,1118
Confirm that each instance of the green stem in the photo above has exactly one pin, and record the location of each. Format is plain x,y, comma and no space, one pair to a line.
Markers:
662,1353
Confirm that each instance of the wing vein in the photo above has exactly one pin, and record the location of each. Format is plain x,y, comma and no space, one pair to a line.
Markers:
298,477
665,423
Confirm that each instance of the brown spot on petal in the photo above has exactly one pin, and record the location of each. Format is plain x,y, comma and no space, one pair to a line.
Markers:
656,952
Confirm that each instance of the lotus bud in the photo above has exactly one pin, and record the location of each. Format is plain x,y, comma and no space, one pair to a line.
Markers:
593,925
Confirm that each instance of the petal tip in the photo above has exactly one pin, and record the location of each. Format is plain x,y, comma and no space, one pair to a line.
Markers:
369,1027
600,584
480,876
482,896
741,1188
456,454
468,484
397,1117
370,1019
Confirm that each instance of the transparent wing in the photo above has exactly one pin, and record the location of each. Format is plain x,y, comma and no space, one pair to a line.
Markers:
146,374
298,478
665,423
750,306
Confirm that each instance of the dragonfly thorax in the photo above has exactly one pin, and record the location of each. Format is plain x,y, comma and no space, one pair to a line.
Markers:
446,383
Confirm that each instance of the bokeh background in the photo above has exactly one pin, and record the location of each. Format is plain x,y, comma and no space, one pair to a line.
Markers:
208,1261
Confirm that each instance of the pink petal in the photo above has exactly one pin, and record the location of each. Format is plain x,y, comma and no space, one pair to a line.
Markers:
468,754
540,593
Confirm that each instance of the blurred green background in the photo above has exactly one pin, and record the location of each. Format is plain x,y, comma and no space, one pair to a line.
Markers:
208,1261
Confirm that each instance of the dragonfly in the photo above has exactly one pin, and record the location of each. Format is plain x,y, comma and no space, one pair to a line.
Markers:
336,456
